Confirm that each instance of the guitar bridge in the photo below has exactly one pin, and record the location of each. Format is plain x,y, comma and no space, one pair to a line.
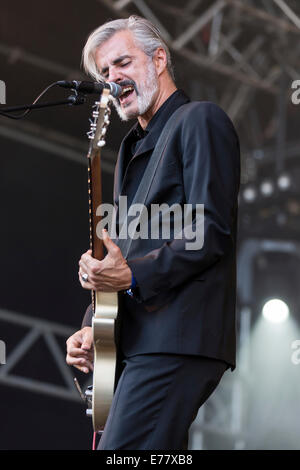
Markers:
89,400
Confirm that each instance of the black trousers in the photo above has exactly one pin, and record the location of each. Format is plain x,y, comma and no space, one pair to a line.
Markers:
156,400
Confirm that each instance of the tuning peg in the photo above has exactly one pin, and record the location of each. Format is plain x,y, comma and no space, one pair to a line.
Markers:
101,143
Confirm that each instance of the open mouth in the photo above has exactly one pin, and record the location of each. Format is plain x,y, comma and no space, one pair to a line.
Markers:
127,92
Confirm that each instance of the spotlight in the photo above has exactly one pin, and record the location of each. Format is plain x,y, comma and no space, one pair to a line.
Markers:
284,182
249,194
267,188
275,311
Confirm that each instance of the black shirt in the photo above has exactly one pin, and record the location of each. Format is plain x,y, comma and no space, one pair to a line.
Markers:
137,136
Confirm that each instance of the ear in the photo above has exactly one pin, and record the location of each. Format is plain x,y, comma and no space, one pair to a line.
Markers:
160,60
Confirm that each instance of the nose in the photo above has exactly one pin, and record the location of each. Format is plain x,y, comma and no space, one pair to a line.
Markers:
114,75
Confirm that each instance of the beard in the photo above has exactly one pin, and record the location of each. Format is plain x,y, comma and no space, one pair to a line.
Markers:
145,97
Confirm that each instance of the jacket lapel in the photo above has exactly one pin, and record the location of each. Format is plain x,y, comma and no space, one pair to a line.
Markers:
119,168
147,145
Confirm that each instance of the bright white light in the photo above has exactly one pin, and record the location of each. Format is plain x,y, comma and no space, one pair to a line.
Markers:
284,182
275,311
266,188
249,194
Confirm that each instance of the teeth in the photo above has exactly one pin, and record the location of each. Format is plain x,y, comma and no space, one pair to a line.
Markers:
127,89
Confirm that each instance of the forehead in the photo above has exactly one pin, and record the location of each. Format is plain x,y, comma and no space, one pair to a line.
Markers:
120,44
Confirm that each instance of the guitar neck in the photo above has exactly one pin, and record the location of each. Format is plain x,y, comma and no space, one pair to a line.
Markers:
95,199
99,125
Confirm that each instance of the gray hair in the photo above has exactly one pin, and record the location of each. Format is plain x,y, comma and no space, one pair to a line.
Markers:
146,36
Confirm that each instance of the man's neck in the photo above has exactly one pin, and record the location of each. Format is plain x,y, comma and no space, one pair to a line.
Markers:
162,96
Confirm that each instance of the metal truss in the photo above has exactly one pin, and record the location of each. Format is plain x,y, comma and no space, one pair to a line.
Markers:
40,137
48,331
254,158
55,142
225,415
243,55
246,44
17,54
226,50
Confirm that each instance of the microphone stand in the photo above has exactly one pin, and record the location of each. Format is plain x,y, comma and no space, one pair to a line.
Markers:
72,100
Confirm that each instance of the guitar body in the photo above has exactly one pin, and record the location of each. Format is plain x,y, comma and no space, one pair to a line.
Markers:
106,310
105,304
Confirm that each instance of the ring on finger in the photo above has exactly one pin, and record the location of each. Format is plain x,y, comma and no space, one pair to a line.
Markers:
84,277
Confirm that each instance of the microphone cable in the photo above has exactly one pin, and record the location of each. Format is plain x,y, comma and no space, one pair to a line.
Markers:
20,116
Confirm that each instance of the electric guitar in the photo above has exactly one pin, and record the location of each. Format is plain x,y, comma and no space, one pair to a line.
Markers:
105,304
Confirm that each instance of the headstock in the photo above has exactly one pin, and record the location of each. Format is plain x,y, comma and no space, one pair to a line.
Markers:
99,121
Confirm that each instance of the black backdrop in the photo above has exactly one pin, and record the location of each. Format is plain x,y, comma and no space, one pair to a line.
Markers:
44,230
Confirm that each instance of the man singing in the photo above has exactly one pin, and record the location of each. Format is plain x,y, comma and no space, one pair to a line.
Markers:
176,331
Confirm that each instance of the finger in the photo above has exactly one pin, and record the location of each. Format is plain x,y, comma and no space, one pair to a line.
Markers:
73,361
77,352
93,284
87,339
90,266
79,362
85,367
85,284
74,341
89,365
82,369
87,258
85,262
87,344
82,275
89,357
84,266
109,244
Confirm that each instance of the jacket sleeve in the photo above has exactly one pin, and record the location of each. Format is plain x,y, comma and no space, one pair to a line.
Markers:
211,176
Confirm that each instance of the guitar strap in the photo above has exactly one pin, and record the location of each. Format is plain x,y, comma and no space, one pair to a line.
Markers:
149,174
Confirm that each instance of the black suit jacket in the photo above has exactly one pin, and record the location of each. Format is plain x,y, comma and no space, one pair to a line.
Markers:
186,298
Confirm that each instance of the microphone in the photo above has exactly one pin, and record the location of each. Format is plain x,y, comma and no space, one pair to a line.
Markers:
92,87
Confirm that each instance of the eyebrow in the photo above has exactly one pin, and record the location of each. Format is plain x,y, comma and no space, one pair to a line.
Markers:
116,61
